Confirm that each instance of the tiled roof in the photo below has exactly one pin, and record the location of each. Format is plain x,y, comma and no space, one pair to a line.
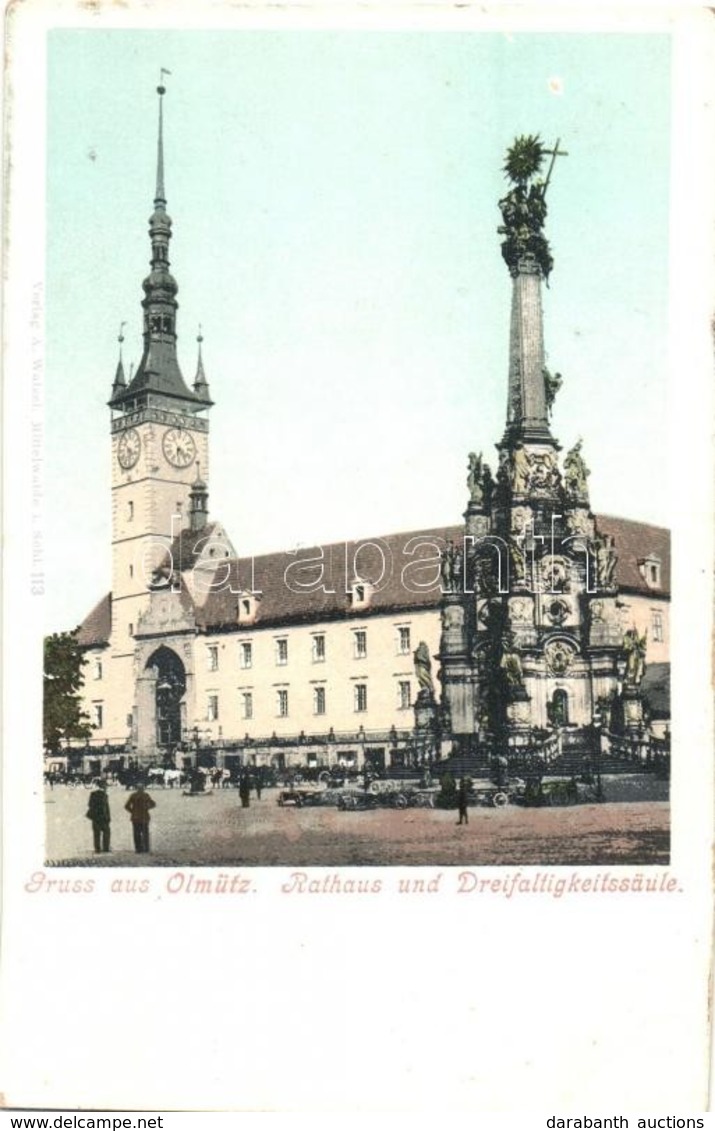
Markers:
636,541
293,589
96,628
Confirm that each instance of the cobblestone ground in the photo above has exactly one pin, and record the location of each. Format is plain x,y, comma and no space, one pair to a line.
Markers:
213,829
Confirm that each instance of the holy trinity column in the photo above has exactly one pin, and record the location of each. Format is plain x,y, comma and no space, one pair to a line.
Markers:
531,635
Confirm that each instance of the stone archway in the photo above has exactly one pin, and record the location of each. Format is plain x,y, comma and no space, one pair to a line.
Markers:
170,687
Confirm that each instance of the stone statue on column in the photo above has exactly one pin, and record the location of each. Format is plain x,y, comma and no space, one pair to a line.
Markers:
606,560
479,481
423,668
635,646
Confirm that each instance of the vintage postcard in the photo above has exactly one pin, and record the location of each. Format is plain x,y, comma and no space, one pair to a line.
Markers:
358,527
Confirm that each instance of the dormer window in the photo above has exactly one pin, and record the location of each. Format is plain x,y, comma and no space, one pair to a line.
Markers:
360,594
247,608
650,569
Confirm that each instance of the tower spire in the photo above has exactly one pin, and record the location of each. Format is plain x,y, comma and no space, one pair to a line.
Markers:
201,385
198,502
158,380
160,195
119,378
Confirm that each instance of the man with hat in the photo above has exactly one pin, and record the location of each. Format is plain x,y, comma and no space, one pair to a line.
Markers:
99,815
138,805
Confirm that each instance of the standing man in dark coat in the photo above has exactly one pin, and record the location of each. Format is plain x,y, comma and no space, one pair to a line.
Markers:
244,791
138,805
99,815
462,797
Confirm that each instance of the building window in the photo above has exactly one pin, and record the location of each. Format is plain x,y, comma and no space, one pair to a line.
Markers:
130,628
247,705
282,651
404,695
650,570
245,654
131,571
657,627
360,694
403,641
318,649
282,703
97,714
318,700
130,511
212,708
97,669
212,658
360,644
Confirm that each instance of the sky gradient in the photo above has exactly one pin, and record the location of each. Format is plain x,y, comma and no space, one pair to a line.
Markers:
334,203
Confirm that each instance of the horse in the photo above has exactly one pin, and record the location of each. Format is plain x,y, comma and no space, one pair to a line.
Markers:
174,778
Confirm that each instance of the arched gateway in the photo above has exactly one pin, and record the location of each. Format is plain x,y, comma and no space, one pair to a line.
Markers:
170,675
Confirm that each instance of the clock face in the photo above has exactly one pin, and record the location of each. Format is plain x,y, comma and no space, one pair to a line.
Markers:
179,447
128,448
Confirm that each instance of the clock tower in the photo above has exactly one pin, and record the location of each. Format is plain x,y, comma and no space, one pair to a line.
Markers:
159,433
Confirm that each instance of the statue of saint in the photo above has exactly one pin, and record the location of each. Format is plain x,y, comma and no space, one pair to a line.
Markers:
447,567
474,477
520,470
451,568
606,560
576,473
479,481
552,384
518,560
523,209
635,647
457,568
510,662
423,667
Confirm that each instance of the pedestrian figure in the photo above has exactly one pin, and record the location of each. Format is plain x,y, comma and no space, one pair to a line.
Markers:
259,787
462,795
244,792
198,780
138,805
99,815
